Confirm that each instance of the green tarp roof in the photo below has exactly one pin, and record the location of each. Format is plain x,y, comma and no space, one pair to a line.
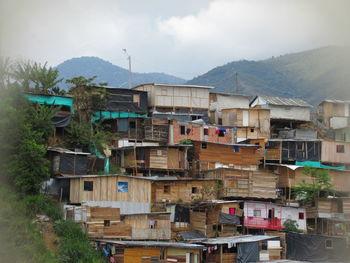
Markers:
318,165
116,115
50,100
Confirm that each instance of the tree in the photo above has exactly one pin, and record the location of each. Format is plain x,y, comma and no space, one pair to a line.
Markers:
319,187
88,98
291,225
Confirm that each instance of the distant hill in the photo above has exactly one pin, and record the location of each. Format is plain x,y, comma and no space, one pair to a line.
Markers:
311,75
107,72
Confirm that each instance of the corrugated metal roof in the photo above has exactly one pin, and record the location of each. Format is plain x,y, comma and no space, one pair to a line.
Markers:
62,150
232,240
152,244
175,85
337,101
285,101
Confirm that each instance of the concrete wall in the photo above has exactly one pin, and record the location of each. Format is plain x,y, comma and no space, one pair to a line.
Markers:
289,113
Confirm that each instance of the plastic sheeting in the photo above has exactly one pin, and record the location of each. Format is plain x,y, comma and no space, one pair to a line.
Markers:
116,115
73,164
316,248
319,165
229,219
247,252
61,120
182,214
50,100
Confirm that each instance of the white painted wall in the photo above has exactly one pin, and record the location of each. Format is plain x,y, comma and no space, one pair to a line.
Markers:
338,122
281,212
289,113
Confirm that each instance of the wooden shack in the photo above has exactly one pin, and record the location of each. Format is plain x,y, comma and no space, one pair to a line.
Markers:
290,176
335,113
149,226
216,218
183,190
209,156
244,183
115,188
185,102
334,152
172,158
220,101
253,123
287,150
151,251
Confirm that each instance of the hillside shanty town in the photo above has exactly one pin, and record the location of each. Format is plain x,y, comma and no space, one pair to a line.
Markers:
191,175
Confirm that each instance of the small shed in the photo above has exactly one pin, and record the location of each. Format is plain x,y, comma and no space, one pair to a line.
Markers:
336,152
209,155
151,251
69,162
335,113
240,249
244,183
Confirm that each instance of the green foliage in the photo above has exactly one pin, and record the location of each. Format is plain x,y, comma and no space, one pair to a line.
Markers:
43,204
20,240
291,225
319,187
37,78
74,244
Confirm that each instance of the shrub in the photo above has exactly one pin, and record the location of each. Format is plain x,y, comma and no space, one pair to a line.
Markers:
291,225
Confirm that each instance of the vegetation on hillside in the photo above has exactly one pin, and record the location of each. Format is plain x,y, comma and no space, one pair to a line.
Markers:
310,75
24,132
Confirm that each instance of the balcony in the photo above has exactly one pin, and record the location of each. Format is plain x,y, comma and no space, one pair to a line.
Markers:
263,223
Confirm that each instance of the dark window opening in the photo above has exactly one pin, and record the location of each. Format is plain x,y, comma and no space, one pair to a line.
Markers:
194,190
182,130
166,189
206,131
340,149
301,215
107,223
132,124
217,228
204,145
88,185
220,121
329,243
251,130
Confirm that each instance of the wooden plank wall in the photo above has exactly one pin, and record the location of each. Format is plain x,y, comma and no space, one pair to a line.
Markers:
182,190
225,154
140,224
105,189
95,217
329,153
140,254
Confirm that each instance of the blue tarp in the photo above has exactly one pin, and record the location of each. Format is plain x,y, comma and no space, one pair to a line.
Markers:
318,165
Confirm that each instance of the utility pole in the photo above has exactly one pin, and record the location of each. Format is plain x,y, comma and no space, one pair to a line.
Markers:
236,81
129,58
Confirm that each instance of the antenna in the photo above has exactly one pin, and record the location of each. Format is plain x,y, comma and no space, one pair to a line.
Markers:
128,58
236,81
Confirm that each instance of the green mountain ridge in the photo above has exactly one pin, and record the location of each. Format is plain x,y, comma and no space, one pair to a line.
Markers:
105,71
311,75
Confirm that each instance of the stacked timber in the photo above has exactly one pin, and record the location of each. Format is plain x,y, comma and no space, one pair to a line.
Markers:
104,222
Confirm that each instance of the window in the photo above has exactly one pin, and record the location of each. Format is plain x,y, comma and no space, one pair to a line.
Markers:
251,130
204,145
182,130
106,222
206,131
236,148
88,185
194,190
257,212
329,243
132,124
340,149
301,215
220,121
166,189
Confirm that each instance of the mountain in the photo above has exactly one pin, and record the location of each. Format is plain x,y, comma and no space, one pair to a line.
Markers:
310,75
107,72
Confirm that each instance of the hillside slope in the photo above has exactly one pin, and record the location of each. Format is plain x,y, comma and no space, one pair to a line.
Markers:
311,75
107,72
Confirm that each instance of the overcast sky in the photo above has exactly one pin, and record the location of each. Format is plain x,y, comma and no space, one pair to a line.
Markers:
181,37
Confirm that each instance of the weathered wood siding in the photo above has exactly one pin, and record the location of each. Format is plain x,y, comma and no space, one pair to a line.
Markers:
330,154
140,226
226,155
105,188
187,191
